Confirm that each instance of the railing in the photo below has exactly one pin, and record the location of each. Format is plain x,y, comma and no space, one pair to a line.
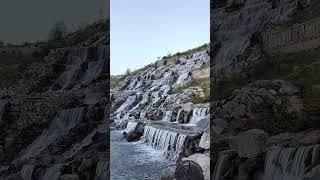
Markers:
296,34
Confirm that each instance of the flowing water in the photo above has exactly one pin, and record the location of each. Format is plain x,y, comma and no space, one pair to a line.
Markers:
289,163
198,114
135,161
3,104
27,172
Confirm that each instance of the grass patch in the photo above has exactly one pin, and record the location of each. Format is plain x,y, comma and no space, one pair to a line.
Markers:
203,83
188,52
115,80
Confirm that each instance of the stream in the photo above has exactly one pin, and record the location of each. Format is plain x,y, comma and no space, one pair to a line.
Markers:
135,160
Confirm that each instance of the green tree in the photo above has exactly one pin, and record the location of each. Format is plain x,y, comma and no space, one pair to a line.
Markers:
58,31
128,72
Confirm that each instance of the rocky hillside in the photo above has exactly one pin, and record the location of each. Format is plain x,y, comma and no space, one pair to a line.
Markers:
265,107
53,121
166,105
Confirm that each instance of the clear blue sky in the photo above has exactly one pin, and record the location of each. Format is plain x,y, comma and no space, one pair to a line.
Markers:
142,30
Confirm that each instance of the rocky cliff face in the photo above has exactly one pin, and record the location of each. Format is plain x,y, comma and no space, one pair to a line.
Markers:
54,123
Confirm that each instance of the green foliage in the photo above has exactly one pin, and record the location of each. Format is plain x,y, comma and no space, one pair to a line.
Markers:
191,51
58,31
278,120
202,83
114,81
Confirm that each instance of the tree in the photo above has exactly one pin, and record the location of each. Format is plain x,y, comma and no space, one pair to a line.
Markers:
58,31
128,72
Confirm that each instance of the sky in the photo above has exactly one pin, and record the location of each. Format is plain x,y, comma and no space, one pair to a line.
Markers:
142,30
31,20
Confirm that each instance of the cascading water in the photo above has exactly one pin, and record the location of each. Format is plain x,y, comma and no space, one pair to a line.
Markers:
167,116
129,102
131,126
3,104
83,65
222,164
289,163
103,170
53,173
171,143
67,119
4,170
178,115
27,172
198,114
142,115
64,121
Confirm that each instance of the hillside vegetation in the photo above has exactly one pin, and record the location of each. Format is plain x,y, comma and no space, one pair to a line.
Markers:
12,67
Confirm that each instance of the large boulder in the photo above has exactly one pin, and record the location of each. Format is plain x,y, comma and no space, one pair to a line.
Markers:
203,161
203,124
250,144
205,141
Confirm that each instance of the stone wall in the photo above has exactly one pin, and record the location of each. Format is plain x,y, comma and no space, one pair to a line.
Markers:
293,35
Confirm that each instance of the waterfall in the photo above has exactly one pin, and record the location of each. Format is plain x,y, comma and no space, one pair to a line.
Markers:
178,115
60,126
94,71
167,116
103,52
4,170
222,164
66,119
131,126
142,115
198,114
27,172
129,102
288,163
102,171
53,173
170,143
3,104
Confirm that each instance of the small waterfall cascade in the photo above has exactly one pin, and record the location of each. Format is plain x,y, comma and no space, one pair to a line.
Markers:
103,170
198,114
131,126
178,115
129,102
27,172
103,52
53,173
67,119
171,143
4,170
222,164
142,115
167,116
60,125
290,163
3,104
